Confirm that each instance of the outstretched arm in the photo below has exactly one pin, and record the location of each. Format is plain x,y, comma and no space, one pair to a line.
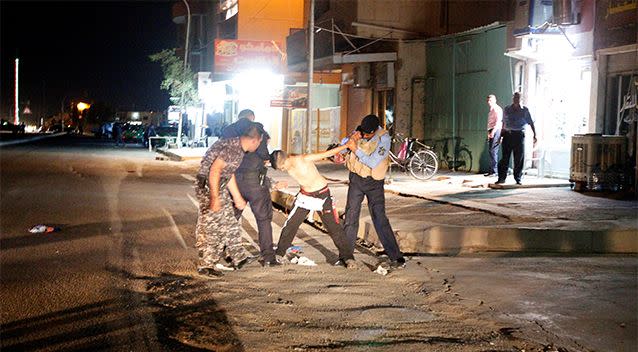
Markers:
323,155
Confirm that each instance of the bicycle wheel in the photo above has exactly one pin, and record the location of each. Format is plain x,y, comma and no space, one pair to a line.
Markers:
464,160
423,165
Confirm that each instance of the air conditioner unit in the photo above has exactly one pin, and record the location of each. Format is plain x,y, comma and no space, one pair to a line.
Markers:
544,16
384,75
362,76
598,162
566,12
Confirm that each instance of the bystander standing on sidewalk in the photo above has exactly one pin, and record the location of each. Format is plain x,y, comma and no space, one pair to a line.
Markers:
515,118
368,163
494,125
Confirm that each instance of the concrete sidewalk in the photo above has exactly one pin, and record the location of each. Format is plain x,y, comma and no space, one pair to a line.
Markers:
543,215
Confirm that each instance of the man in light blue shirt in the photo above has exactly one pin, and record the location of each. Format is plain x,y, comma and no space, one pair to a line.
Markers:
515,118
380,154
368,164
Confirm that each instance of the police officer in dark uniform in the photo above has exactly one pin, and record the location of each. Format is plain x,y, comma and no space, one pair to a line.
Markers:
254,184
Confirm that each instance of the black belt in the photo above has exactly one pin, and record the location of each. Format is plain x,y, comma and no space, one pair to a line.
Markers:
257,175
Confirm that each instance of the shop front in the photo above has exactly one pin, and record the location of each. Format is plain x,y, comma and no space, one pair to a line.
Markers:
551,52
325,119
248,75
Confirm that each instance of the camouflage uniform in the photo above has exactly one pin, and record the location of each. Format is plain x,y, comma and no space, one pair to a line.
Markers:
218,234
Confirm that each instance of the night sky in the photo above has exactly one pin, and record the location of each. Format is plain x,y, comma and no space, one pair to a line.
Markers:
84,49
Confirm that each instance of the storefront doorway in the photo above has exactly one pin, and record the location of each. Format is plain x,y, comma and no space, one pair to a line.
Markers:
559,104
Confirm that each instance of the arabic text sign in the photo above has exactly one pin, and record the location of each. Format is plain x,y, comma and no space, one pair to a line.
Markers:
238,55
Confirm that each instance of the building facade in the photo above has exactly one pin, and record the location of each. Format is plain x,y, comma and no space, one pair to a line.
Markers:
378,48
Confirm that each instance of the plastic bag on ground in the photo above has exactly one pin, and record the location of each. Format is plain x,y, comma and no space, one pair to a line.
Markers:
42,229
303,261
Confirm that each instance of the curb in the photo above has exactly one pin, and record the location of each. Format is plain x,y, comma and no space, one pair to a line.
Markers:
175,157
32,139
452,240
515,186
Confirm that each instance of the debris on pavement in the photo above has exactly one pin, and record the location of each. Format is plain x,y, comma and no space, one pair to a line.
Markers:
294,251
43,229
303,261
381,270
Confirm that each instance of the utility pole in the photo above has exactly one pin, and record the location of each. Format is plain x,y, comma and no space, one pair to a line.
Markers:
311,69
16,113
181,114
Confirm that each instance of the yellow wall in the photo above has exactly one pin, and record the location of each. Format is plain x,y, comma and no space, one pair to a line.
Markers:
269,19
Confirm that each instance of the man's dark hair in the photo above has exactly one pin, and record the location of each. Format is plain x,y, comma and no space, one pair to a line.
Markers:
277,158
245,113
253,131
369,124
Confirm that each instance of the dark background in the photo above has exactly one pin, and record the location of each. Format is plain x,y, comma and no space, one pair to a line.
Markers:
84,50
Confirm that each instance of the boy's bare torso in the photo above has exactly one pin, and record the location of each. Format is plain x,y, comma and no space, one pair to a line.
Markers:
306,174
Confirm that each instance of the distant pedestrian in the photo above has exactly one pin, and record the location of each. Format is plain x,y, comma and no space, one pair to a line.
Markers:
494,126
515,118
117,133
149,132
218,233
254,184
368,163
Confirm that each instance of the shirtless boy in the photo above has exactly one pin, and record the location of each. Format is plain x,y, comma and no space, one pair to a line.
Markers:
313,196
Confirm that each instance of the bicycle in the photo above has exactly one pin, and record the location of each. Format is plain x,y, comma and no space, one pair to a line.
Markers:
415,157
462,159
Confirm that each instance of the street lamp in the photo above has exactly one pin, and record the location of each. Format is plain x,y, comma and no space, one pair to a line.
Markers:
188,30
82,106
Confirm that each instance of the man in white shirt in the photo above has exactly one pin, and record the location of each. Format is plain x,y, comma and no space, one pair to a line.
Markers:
494,126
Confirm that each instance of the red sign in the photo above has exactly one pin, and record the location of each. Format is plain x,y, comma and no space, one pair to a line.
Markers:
239,55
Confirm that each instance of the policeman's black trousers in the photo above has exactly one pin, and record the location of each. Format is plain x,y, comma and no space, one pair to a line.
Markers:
373,190
329,220
513,143
258,197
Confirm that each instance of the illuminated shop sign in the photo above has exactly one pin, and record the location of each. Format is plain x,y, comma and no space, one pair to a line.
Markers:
233,56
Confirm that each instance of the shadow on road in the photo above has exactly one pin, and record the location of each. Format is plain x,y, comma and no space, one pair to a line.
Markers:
180,318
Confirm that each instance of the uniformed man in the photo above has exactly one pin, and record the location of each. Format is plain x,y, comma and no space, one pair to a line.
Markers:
218,231
368,163
254,185
314,195
515,118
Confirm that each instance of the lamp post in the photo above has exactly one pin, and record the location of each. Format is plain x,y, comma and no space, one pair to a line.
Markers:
16,112
81,106
311,69
188,30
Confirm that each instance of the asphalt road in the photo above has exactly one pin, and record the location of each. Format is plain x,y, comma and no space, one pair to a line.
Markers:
119,275
118,211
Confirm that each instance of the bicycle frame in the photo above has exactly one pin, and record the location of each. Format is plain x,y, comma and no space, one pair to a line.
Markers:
400,159
414,157
408,147
454,161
